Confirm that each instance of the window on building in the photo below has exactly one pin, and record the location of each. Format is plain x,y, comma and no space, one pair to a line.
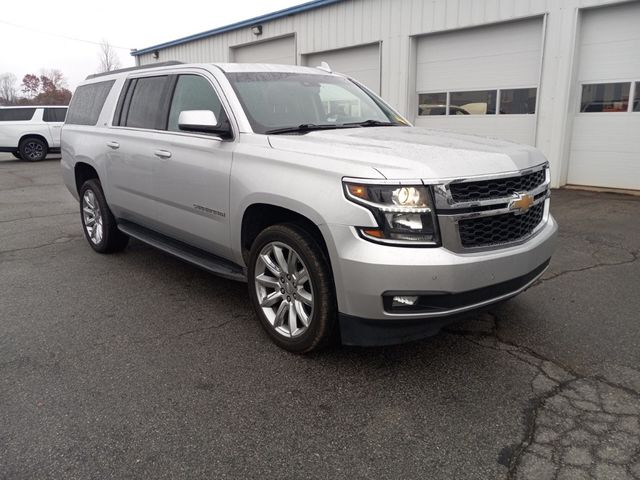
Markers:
16,114
432,104
148,104
54,114
481,102
193,92
518,101
605,97
636,101
87,103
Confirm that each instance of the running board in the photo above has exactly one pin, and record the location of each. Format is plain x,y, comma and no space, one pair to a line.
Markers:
205,260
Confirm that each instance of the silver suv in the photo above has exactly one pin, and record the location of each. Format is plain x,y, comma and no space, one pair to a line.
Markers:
344,220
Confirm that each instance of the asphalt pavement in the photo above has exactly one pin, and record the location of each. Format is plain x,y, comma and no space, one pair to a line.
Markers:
137,365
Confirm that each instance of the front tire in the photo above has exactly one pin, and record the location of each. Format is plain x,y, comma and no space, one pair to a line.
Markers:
33,149
99,224
291,288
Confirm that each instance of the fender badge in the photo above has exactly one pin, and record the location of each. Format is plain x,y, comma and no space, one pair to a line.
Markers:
521,203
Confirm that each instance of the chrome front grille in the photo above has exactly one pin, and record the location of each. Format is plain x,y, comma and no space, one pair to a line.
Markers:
499,229
483,213
496,188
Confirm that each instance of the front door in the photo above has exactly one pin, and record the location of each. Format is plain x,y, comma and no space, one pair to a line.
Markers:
191,176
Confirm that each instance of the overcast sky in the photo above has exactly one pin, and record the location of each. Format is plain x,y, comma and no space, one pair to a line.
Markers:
27,44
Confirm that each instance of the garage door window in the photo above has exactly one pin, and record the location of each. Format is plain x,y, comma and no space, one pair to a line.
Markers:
482,102
432,104
605,97
636,101
518,101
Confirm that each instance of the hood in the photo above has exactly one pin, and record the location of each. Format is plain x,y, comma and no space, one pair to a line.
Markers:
411,152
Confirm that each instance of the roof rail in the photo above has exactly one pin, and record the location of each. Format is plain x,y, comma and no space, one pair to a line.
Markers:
130,69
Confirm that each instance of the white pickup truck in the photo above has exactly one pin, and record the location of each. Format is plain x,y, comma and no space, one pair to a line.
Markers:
29,133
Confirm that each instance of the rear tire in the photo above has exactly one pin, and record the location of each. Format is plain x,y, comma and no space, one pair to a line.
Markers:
33,149
291,288
99,224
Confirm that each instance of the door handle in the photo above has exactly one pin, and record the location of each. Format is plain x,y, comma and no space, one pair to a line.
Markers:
114,145
162,154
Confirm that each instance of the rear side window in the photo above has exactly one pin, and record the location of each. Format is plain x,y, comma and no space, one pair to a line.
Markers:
16,114
148,104
87,103
54,114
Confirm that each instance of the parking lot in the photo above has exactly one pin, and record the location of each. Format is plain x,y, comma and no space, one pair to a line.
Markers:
139,365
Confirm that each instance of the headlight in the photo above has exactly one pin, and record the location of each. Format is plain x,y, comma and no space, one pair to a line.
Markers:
404,213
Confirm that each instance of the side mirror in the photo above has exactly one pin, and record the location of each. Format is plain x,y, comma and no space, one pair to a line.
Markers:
203,121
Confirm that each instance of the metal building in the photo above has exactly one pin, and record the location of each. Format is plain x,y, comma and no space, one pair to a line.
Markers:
563,75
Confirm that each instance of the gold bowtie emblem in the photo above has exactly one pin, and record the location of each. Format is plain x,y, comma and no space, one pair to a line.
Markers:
521,203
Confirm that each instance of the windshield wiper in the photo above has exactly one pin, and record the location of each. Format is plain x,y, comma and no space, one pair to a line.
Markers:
372,123
305,127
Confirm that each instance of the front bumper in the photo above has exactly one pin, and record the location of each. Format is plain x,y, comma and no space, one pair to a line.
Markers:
364,271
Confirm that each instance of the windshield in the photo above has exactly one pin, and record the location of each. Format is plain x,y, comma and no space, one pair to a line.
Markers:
281,101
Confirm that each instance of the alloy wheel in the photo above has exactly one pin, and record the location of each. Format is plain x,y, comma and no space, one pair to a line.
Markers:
33,150
284,289
92,217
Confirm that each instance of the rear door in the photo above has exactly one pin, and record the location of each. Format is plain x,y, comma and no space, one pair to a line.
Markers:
191,172
137,129
54,118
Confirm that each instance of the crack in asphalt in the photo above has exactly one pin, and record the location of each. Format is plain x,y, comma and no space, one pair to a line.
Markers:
38,216
58,241
634,254
576,426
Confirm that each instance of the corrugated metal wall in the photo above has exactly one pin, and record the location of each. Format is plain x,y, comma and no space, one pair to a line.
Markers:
397,23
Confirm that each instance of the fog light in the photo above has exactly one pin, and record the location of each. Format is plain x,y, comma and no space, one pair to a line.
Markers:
399,301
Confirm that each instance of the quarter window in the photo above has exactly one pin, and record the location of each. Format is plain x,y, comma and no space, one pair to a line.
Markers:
148,104
194,92
518,101
605,97
16,114
54,114
87,103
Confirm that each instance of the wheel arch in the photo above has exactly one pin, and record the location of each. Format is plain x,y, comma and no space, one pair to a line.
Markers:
39,136
83,172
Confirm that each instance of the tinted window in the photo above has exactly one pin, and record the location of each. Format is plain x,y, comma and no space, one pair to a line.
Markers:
87,103
605,97
54,114
16,114
148,104
432,104
193,93
518,101
274,100
481,102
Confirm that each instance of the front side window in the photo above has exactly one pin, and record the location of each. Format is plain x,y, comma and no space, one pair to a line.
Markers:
279,100
605,97
87,102
518,101
481,102
148,104
54,114
194,92
16,114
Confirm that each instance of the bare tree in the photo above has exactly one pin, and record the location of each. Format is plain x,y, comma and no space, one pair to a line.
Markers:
109,59
8,91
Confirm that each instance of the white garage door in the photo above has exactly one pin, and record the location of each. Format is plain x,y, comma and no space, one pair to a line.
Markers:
482,80
361,63
281,51
605,145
